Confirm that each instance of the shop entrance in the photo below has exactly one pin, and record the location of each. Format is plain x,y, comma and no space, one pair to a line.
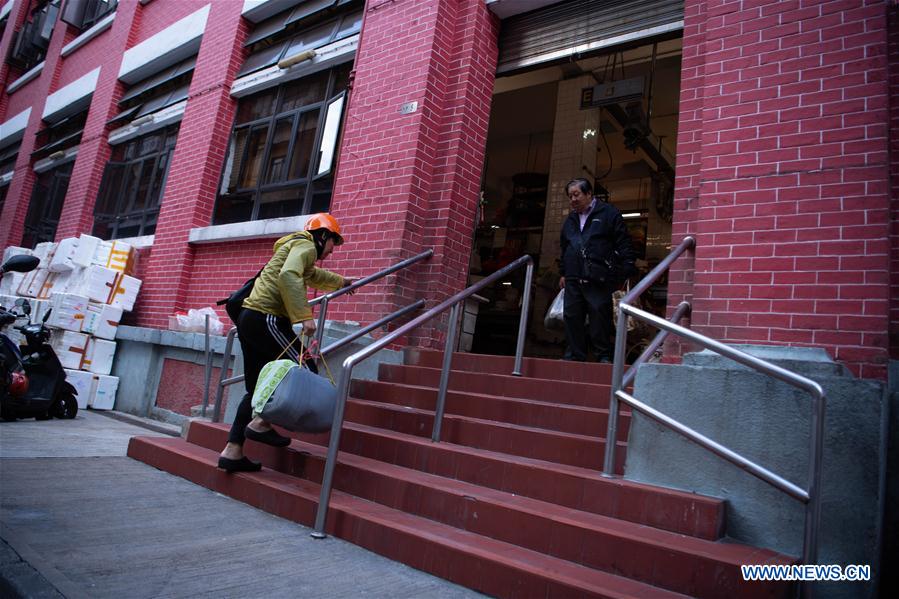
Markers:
611,118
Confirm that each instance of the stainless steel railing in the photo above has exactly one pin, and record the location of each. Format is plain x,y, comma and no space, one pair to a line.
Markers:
324,299
811,496
452,304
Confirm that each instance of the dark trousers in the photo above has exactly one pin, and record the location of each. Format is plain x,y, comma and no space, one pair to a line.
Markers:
263,338
588,318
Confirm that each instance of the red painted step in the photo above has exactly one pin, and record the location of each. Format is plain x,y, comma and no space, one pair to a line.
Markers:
569,486
623,548
487,565
524,412
582,394
539,368
553,446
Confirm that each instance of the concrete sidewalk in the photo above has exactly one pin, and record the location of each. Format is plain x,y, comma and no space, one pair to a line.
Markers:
79,519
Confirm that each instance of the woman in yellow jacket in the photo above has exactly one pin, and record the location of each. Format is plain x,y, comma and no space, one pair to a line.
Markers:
274,313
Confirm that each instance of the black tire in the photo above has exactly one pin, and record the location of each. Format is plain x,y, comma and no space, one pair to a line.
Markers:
65,406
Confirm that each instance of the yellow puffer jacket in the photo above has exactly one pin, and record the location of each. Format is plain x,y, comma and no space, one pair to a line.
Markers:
281,287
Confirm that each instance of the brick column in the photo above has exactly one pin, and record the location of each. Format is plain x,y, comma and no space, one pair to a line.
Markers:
93,150
14,21
893,28
406,182
193,178
790,201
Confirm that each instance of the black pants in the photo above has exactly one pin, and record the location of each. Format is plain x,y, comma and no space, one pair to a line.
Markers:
263,338
583,300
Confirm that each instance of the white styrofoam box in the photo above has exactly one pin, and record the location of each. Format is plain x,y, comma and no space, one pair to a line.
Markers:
124,293
9,284
101,320
99,355
44,251
62,257
97,283
67,311
116,255
69,347
33,282
86,250
14,250
46,286
83,383
38,309
103,390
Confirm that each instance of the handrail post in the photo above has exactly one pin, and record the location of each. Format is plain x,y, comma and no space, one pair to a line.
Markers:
445,371
343,390
617,375
320,326
226,360
523,320
207,374
813,509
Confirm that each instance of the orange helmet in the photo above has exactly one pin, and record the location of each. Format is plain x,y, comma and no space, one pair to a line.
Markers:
323,220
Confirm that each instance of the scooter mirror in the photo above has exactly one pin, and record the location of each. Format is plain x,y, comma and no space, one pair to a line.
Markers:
47,315
23,305
21,263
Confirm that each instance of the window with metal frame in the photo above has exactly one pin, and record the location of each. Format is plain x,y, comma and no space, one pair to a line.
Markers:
132,185
47,197
32,40
8,156
84,14
282,149
156,92
60,135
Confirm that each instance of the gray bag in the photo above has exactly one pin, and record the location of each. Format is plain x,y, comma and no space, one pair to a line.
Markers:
303,402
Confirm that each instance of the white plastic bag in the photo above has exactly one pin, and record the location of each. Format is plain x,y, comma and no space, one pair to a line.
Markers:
555,316
195,321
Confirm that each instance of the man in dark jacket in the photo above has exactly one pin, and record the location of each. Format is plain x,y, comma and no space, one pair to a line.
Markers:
597,256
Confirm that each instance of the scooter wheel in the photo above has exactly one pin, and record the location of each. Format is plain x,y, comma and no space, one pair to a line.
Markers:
65,407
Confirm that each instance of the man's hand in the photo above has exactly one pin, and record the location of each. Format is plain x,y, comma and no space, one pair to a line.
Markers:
561,282
347,283
306,327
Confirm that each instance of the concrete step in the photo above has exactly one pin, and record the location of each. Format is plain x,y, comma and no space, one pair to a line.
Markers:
523,412
568,486
540,368
548,390
615,546
488,565
542,444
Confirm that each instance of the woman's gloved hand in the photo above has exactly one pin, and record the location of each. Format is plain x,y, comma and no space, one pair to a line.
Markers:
306,327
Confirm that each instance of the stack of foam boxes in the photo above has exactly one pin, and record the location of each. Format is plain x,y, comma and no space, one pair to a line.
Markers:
86,284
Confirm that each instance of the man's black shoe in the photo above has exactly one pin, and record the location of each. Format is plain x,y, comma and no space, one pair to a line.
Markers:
269,437
244,464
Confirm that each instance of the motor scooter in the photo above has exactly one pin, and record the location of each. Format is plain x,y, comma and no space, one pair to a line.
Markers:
32,380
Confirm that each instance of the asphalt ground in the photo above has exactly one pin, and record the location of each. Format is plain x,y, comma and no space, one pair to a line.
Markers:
80,519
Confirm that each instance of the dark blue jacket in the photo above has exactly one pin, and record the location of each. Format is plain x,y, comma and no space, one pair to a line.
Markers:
602,252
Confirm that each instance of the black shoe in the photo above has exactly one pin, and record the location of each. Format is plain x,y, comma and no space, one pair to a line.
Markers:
269,437
244,464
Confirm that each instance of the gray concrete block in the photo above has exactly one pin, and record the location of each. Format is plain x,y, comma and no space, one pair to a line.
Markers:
769,422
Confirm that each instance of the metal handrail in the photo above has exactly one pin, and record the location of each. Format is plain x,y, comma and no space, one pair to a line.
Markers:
811,496
324,299
350,362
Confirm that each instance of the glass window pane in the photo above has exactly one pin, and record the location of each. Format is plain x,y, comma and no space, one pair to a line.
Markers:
302,145
129,191
321,195
158,181
256,143
143,186
311,38
350,25
262,58
235,159
284,202
341,77
257,106
309,8
277,160
329,136
305,91
233,209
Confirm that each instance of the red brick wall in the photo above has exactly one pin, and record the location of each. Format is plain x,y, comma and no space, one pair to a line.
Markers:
790,205
409,182
893,28
156,16
182,385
